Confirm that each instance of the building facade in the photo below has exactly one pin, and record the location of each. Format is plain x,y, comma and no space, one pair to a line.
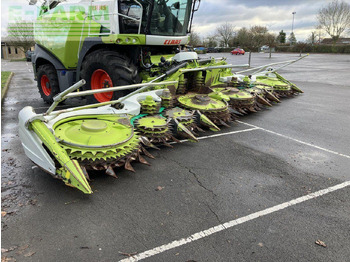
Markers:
9,52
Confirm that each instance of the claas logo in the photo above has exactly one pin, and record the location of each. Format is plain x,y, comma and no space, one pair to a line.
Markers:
172,42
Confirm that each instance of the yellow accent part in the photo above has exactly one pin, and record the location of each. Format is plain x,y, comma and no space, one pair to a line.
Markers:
67,175
73,173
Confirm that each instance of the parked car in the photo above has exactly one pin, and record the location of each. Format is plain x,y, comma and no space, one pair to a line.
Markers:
211,50
29,55
237,51
218,49
189,48
200,50
265,48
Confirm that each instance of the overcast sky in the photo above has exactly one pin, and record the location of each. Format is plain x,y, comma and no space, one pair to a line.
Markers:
276,15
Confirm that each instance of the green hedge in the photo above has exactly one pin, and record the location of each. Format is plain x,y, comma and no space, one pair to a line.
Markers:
4,77
226,49
341,49
229,49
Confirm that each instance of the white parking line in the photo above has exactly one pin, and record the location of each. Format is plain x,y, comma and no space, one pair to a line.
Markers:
228,133
221,134
296,140
232,223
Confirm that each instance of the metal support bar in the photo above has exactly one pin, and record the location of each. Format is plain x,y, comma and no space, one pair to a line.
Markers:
144,86
272,64
212,67
274,70
261,69
61,96
250,58
263,66
117,88
140,19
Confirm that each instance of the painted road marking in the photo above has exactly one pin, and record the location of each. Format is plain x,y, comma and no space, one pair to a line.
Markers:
296,140
232,223
228,133
221,134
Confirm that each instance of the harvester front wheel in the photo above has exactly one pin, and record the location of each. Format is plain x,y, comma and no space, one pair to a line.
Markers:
103,69
47,83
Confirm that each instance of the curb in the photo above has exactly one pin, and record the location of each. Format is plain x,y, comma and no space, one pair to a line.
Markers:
4,91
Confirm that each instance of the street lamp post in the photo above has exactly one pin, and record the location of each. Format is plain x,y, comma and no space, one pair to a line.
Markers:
293,20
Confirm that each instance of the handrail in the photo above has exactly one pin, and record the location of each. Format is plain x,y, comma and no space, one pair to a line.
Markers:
68,93
212,67
260,68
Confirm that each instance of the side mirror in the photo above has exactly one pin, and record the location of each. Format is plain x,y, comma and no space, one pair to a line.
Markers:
196,8
176,5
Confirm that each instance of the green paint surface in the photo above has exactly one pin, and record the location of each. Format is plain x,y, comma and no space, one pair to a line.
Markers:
152,121
214,104
93,132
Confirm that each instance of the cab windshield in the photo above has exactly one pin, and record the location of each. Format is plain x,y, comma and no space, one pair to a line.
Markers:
158,17
170,17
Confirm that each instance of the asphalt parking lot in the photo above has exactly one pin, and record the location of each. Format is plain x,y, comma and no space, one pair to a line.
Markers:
266,189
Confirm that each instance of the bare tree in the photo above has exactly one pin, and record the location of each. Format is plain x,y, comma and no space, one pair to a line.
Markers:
254,37
211,41
335,18
292,39
259,34
301,46
320,33
244,37
21,35
271,41
195,39
226,32
312,38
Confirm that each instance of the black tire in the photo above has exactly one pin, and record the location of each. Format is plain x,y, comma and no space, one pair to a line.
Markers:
47,73
119,69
